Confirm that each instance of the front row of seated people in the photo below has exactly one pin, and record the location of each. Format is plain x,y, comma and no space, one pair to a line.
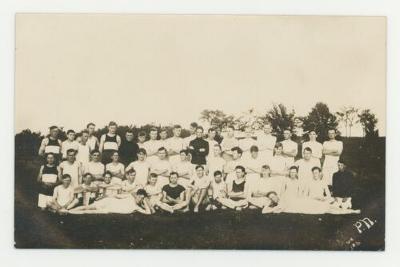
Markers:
271,194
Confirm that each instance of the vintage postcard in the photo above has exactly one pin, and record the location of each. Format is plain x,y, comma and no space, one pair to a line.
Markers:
200,132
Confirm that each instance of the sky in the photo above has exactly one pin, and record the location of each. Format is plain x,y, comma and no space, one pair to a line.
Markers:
138,69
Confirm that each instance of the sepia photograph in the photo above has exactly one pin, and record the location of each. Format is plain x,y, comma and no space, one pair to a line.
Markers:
156,131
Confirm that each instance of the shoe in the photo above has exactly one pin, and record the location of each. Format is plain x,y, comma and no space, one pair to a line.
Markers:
196,210
213,207
208,208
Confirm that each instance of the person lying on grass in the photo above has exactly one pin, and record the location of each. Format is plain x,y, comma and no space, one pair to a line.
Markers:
63,196
174,194
303,205
121,204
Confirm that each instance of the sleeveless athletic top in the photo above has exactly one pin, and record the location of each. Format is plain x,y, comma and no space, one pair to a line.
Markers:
110,143
52,146
238,187
49,174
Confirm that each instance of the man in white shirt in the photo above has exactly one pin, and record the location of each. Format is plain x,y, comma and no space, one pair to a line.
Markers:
68,144
228,143
211,142
163,142
266,143
215,163
152,145
63,196
247,142
141,166
253,165
230,166
175,145
93,142
290,148
161,167
192,136
95,167
332,149
71,167
315,146
305,166
83,154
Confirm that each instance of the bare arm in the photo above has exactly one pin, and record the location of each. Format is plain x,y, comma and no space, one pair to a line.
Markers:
39,177
42,147
102,140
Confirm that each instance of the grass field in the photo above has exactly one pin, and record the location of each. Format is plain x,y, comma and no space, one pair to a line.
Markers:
223,229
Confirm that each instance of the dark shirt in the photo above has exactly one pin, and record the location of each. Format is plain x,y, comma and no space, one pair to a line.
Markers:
173,191
218,138
199,149
128,152
342,184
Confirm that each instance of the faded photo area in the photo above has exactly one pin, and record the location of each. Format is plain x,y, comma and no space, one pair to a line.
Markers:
200,132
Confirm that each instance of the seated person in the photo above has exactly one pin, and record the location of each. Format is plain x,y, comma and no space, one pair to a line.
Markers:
129,185
218,194
86,192
342,186
317,188
291,185
108,187
174,195
47,179
122,204
237,189
258,191
199,185
154,193
116,168
63,196
95,167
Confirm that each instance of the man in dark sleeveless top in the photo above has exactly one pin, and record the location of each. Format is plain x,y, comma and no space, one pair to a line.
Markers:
51,144
109,143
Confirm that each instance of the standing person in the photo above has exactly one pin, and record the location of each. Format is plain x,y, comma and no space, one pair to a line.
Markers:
174,194
266,143
163,142
216,163
279,167
192,136
175,145
230,166
141,166
332,149
218,136
247,142
211,141
199,148
305,166
200,184
63,196
315,146
83,153
152,145
109,143
128,149
47,179
116,168
342,186
51,144
290,148
72,168
68,144
161,167
95,167
238,189
184,169
298,136
257,131
92,139
253,165
141,139
228,143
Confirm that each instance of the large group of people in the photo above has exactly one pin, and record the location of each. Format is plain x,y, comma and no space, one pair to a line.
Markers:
229,169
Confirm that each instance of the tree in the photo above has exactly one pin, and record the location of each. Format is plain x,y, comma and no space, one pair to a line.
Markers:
280,118
216,118
348,116
320,119
368,121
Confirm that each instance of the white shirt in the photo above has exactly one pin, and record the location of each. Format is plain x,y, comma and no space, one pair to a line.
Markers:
289,145
127,186
72,170
253,165
142,171
211,144
174,144
305,168
186,140
215,164
92,141
115,168
219,189
228,143
200,183
278,164
265,185
83,154
161,165
316,148
246,143
182,167
151,147
66,145
332,145
153,190
63,195
316,188
95,168
266,143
